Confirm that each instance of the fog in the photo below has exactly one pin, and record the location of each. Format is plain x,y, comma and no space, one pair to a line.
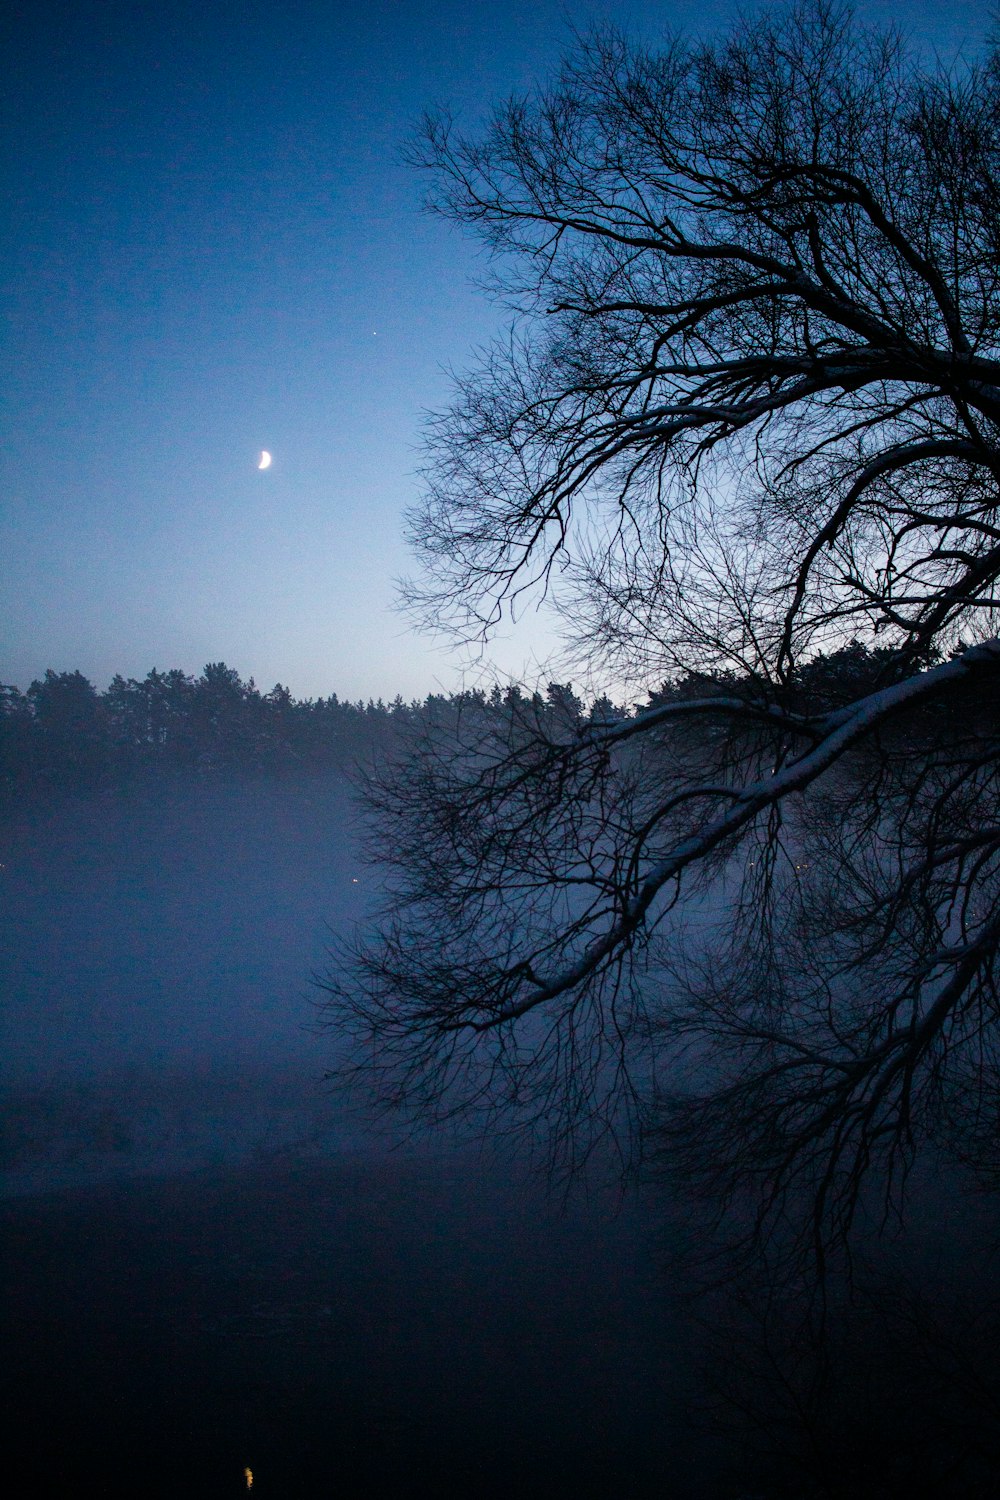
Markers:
186,1196
210,1260
172,929
156,964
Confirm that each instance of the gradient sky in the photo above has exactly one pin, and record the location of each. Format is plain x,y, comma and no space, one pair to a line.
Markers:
211,248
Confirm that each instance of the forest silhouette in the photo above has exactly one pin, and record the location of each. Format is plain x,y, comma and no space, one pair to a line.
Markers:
63,735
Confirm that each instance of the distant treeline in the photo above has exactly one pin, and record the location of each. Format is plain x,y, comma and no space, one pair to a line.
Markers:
64,735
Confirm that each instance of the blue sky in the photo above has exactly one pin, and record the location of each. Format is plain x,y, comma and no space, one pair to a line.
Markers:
211,248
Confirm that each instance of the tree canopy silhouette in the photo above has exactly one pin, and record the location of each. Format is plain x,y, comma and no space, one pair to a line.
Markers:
63,737
743,426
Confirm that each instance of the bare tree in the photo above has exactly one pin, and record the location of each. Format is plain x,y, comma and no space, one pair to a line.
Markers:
745,416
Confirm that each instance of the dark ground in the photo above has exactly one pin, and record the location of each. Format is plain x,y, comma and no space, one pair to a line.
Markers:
343,1326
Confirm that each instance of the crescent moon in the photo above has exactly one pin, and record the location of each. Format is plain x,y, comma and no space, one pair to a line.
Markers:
265,460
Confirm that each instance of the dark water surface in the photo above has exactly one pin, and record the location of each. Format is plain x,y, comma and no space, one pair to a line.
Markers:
405,1324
